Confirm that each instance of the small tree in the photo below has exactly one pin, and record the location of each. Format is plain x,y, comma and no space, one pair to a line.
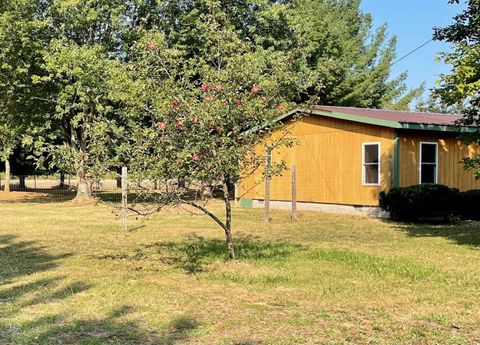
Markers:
206,116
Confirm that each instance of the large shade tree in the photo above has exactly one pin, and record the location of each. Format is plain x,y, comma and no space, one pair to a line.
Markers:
21,43
82,70
462,85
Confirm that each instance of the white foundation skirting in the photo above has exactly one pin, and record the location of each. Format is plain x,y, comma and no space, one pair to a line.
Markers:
368,211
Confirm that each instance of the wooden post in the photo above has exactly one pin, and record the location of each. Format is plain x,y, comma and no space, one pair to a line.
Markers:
267,186
124,198
294,193
7,176
35,183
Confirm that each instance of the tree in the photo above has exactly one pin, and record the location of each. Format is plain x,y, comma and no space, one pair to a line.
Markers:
351,63
462,85
348,60
82,68
205,114
21,28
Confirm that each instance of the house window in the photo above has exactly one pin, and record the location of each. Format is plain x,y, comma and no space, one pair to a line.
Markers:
428,162
371,164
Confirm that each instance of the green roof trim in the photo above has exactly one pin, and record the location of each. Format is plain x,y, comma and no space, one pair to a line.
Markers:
439,128
396,160
356,118
378,122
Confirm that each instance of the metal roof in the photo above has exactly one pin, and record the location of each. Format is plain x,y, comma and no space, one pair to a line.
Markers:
398,116
387,118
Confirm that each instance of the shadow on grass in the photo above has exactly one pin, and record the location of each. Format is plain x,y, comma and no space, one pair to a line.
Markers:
23,320
463,234
115,328
193,254
21,258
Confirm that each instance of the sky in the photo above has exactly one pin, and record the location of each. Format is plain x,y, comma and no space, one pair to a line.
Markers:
412,21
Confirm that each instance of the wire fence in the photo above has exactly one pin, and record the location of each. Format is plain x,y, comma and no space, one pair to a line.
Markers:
61,186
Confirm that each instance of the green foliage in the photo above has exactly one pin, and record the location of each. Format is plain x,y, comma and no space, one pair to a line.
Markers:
206,107
430,202
421,202
350,62
462,85
20,45
468,205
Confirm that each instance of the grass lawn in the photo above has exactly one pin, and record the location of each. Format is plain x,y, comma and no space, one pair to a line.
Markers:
70,275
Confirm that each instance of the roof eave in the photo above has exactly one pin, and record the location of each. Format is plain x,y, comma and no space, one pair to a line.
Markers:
378,122
341,116
438,128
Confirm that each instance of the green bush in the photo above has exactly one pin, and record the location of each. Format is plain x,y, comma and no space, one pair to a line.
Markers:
424,202
469,205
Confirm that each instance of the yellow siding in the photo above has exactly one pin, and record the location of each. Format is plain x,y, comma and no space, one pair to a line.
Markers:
450,153
328,157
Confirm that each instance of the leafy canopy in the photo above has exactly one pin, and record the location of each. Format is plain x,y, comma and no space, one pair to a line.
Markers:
462,85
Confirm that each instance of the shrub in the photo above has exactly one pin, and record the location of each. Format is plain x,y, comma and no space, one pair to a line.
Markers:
469,204
421,203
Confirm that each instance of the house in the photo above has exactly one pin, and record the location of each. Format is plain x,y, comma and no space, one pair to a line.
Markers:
344,158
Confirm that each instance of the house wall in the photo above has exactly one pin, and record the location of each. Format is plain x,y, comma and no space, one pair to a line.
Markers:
328,159
450,152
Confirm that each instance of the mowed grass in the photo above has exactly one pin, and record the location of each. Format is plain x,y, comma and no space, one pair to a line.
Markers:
70,275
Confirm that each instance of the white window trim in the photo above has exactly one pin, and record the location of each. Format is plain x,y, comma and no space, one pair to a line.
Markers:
379,164
420,161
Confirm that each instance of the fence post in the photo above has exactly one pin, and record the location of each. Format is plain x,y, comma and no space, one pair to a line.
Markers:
294,193
7,176
124,198
267,185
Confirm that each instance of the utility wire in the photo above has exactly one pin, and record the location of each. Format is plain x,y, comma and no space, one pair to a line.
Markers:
413,51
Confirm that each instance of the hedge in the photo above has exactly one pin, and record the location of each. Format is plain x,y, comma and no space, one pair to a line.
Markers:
431,202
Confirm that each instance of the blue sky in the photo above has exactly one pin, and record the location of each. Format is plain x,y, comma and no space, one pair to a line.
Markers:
412,22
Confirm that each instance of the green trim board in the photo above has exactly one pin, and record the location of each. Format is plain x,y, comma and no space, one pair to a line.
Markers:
246,203
439,128
396,160
355,118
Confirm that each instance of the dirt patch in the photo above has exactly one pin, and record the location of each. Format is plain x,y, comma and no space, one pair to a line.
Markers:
19,196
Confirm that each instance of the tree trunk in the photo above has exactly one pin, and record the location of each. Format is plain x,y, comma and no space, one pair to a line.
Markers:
22,185
228,221
119,178
7,176
62,180
85,186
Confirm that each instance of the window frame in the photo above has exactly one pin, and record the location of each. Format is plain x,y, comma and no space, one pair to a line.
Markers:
379,147
420,163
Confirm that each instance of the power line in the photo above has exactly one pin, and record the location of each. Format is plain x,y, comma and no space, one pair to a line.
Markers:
413,51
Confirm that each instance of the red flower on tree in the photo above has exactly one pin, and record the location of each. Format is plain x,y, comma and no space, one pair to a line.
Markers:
217,88
255,90
205,88
195,157
280,107
175,104
161,125
152,46
180,125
